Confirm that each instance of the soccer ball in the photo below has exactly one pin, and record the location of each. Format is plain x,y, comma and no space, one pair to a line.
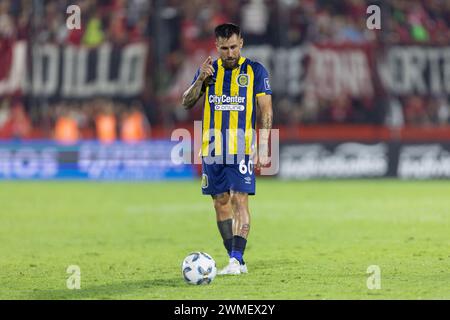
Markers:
199,268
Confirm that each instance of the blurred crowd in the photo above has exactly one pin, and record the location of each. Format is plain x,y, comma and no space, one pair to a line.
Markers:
68,121
289,23
116,21
179,34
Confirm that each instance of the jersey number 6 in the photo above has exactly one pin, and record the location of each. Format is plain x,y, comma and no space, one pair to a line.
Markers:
243,168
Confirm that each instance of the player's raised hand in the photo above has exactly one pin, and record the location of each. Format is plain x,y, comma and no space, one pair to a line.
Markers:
206,69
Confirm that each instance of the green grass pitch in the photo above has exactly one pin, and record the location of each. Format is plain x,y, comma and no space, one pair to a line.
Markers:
308,240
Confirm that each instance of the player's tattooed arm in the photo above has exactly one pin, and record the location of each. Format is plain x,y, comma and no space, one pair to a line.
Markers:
191,96
266,120
266,126
196,90
265,106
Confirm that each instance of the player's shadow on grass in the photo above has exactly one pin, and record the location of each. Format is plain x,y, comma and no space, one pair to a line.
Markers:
117,290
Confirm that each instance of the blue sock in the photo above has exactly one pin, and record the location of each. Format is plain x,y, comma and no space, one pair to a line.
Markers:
228,245
238,248
237,255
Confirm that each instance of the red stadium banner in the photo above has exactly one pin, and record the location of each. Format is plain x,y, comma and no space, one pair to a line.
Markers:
359,70
341,69
325,70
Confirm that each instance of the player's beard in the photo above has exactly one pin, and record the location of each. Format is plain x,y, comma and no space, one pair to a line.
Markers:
231,64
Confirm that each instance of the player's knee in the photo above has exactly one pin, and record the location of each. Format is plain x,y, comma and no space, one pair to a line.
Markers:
239,201
221,200
219,207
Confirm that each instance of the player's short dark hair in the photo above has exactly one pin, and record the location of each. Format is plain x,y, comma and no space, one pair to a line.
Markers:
226,30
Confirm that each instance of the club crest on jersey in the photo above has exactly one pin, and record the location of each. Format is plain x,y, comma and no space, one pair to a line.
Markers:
242,80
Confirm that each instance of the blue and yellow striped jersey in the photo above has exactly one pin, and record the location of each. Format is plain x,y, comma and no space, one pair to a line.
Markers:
229,115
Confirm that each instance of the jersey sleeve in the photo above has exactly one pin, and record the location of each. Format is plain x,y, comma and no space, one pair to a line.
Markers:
262,83
195,79
196,76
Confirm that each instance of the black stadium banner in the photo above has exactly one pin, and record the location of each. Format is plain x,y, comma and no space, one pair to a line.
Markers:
49,70
335,160
57,71
424,161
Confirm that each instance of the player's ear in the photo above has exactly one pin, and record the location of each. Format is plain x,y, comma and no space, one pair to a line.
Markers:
241,43
218,41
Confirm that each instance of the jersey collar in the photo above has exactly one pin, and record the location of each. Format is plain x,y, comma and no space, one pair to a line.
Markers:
240,62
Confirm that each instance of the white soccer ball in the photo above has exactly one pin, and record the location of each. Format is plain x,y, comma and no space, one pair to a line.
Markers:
199,268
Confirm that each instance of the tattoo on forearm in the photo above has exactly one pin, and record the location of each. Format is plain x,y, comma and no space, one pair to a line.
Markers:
192,95
267,121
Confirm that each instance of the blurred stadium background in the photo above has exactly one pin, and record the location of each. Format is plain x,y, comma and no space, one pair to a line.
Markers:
343,94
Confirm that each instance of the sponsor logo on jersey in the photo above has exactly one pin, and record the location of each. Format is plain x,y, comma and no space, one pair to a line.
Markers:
229,107
227,103
224,99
